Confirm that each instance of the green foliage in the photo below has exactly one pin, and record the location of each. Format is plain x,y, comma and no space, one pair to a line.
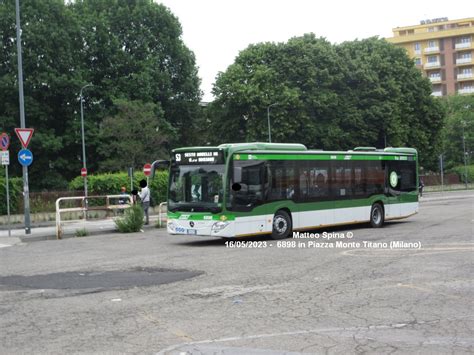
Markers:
81,232
132,221
128,50
111,183
459,120
134,135
460,170
359,93
16,194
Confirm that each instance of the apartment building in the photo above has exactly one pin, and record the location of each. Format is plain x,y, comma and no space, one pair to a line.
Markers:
443,50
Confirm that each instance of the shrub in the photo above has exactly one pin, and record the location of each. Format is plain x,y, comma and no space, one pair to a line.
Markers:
132,221
110,183
82,232
16,194
460,170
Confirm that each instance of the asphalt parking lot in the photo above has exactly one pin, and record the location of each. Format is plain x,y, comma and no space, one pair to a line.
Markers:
154,293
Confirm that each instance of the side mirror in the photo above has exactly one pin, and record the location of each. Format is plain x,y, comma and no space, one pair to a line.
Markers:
237,174
159,165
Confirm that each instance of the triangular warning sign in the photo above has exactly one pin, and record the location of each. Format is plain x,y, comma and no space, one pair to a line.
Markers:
24,135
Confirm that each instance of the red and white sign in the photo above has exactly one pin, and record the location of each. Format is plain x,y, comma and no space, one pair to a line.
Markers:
147,169
24,135
4,141
83,172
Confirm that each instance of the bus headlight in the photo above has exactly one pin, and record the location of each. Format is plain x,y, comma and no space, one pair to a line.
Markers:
218,226
171,226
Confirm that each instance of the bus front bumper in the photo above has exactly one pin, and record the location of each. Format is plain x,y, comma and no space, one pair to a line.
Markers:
208,228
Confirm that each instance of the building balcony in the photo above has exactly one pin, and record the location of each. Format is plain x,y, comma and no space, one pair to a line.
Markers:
432,65
431,49
465,76
463,61
435,79
466,90
462,45
437,93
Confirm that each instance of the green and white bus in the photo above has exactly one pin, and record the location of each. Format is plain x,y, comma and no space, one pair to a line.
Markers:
238,190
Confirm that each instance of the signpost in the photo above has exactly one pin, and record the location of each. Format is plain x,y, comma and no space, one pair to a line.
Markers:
25,157
4,141
4,144
147,171
24,135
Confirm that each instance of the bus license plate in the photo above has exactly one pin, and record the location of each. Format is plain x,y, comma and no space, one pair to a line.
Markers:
191,231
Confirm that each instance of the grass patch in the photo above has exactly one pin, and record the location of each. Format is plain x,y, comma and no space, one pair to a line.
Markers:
81,232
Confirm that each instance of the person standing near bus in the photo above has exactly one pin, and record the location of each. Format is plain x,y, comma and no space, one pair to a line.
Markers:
145,198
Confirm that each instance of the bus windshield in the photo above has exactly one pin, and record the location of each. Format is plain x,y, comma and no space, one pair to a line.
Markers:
196,188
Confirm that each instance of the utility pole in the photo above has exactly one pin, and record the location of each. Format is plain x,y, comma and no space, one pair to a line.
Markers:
26,191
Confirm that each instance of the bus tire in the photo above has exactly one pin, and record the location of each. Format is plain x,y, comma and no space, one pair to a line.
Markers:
281,225
377,215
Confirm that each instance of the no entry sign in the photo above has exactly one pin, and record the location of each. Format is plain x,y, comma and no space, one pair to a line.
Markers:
147,169
83,172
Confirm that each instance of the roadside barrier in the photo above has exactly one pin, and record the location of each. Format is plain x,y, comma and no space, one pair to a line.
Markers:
162,211
120,203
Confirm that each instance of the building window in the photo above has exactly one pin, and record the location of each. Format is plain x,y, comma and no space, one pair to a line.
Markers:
465,71
417,61
431,29
465,55
432,59
465,40
417,46
432,44
434,75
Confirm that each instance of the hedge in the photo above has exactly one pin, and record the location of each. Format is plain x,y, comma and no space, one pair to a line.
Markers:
16,194
111,183
460,170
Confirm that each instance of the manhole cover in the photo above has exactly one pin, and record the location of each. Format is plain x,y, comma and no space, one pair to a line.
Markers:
103,280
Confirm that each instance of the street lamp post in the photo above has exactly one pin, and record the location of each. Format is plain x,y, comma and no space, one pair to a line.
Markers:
467,107
84,163
465,154
268,119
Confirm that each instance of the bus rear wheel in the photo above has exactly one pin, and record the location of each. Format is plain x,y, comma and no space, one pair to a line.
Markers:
282,225
377,215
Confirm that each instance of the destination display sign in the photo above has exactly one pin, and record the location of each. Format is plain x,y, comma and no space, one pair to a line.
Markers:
199,158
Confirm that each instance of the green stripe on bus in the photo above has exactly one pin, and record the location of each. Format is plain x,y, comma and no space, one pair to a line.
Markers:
199,216
327,157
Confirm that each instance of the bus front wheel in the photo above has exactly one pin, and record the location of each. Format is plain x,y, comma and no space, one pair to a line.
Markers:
377,215
282,225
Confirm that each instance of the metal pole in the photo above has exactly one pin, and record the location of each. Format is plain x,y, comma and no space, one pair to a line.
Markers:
84,163
268,119
26,190
465,155
8,202
442,171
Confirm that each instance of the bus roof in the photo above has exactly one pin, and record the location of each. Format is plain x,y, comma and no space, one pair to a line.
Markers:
296,147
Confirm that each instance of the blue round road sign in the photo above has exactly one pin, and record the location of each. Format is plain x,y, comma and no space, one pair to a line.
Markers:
25,157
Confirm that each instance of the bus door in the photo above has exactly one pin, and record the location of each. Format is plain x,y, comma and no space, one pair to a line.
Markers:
392,191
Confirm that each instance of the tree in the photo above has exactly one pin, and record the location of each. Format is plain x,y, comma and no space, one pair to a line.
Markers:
133,136
128,49
51,77
328,96
459,120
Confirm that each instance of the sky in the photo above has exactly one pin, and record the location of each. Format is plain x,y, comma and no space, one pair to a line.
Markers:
216,30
